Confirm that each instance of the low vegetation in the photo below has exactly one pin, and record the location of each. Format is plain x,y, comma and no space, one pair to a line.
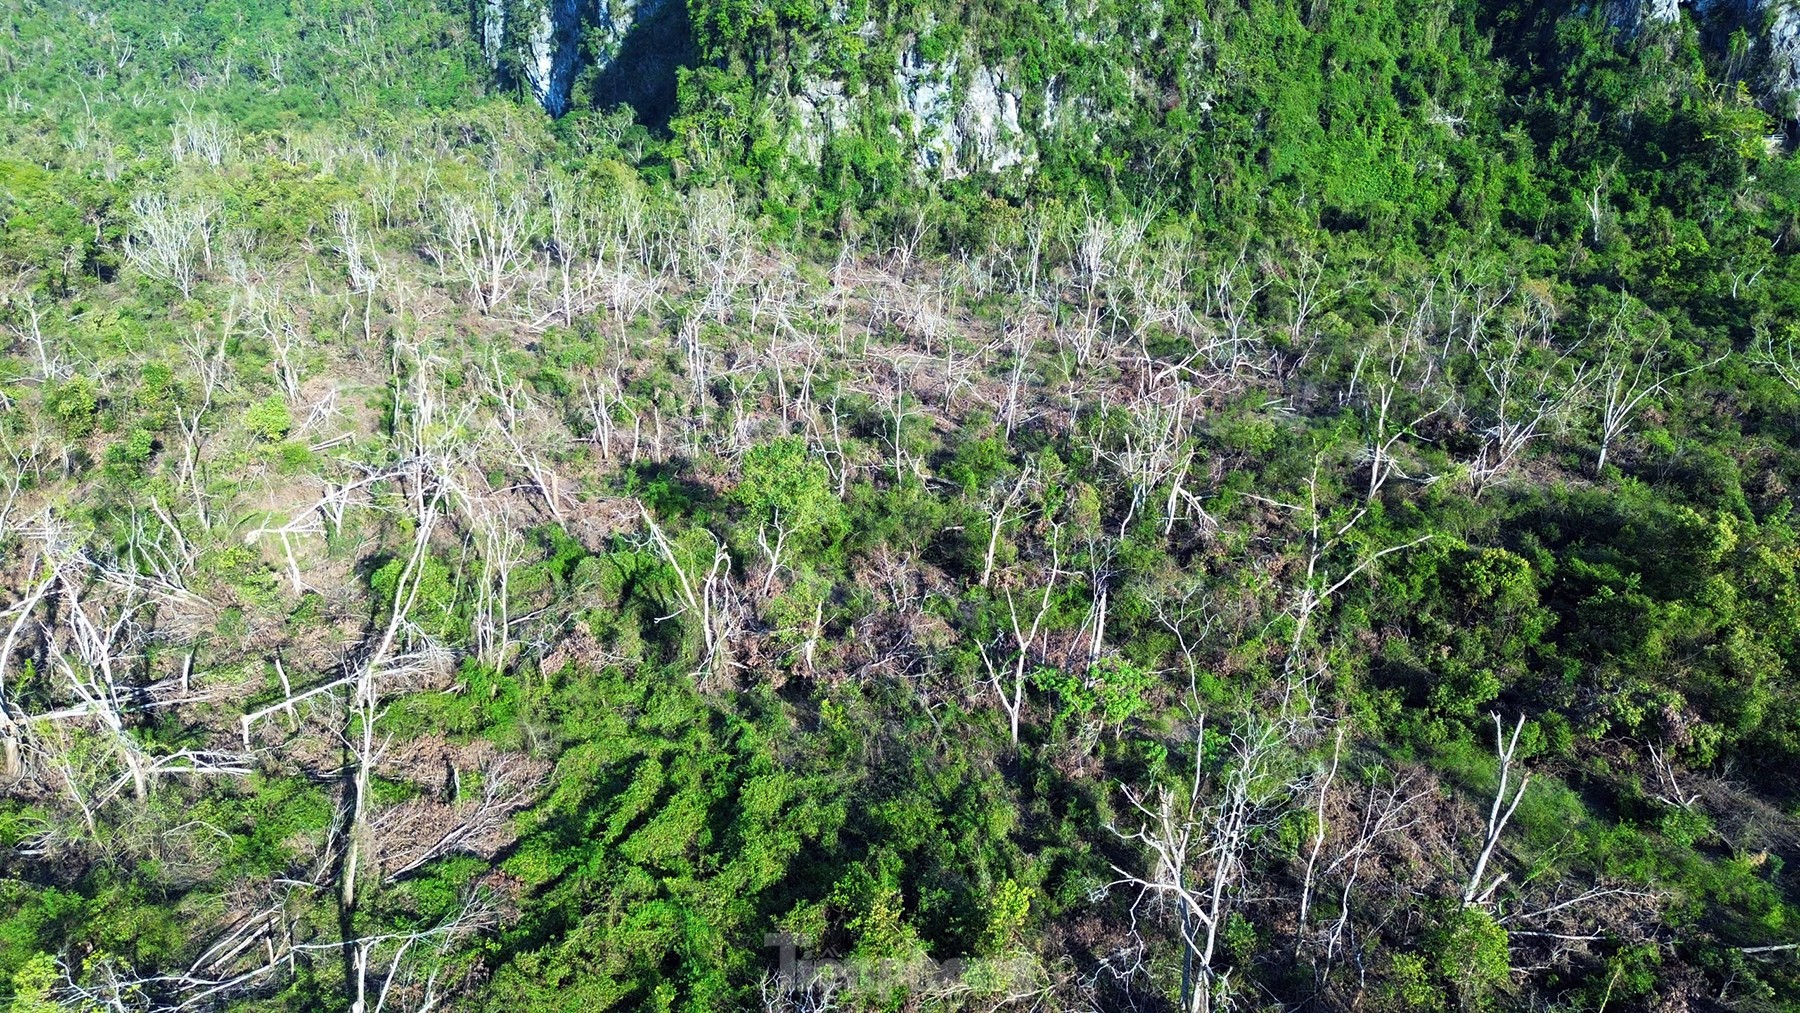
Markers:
1326,544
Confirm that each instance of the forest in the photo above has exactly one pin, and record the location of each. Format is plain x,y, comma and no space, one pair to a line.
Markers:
1264,505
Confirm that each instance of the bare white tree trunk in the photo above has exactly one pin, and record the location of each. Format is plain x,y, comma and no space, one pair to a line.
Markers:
997,520
1320,830
1527,399
1012,700
1197,840
1624,388
1506,749
708,599
486,236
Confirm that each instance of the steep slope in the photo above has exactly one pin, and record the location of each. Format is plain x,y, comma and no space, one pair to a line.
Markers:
981,88
973,475
622,50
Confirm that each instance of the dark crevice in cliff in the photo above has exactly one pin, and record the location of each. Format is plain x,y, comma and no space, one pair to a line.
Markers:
646,69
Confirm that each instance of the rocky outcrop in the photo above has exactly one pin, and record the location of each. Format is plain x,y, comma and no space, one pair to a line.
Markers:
552,52
1632,16
955,115
956,111
820,111
1784,59
553,40
927,118
951,123
493,31
956,125
1772,26
989,119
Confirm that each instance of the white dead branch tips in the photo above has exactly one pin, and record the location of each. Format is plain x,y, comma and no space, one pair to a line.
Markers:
171,238
85,626
1532,388
706,595
484,237
1198,838
1010,687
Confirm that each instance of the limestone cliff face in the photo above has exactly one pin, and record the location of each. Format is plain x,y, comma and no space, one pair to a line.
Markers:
1634,16
1783,41
1773,27
553,50
953,116
959,110
552,40
988,120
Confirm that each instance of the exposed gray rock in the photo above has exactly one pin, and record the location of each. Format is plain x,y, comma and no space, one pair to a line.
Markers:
1784,59
820,110
989,118
952,123
928,113
1631,16
613,20
1773,27
952,136
550,36
552,52
493,30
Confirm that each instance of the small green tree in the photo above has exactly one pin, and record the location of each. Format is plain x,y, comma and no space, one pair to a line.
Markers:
1409,985
269,419
1472,958
126,458
786,493
1008,910
75,404
1111,689
33,984
434,606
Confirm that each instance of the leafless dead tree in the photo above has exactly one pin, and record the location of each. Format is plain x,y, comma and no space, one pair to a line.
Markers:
484,236
1529,394
400,969
572,237
1626,385
1408,366
709,599
171,237
1776,356
1012,699
421,831
999,507
1389,808
205,140
1325,532
1197,839
29,329
1480,889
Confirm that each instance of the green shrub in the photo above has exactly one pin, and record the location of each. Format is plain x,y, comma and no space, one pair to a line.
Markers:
432,596
269,419
1470,955
1112,689
75,405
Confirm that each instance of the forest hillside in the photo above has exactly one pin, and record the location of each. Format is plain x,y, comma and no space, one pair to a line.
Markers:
1197,505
